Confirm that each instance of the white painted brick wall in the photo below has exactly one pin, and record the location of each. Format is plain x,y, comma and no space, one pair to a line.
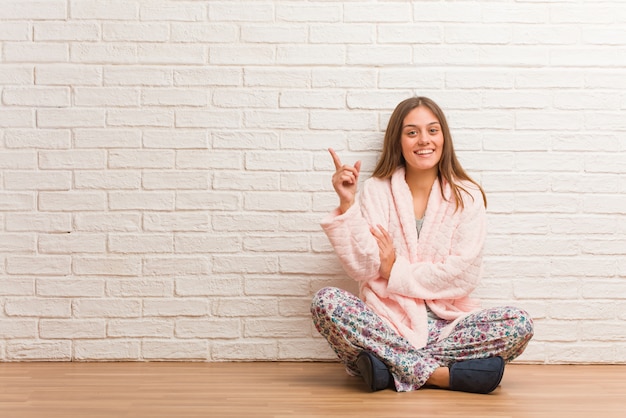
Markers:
163,165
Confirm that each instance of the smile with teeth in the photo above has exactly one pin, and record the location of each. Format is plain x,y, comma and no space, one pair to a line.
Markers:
424,151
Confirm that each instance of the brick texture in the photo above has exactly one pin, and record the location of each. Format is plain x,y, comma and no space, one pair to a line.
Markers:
163,166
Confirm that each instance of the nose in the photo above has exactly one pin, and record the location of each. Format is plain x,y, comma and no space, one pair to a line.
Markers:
422,138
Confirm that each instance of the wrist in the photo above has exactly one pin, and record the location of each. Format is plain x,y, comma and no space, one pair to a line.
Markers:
344,206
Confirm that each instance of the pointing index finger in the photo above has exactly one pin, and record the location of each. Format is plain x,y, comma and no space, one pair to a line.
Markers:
336,159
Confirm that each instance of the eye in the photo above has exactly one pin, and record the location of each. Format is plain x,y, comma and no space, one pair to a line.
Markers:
434,130
412,133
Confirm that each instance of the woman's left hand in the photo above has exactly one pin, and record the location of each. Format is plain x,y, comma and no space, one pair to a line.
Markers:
387,252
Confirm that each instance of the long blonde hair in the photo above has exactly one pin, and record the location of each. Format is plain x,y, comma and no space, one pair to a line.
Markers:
449,167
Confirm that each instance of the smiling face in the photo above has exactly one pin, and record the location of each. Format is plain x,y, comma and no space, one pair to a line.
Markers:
422,140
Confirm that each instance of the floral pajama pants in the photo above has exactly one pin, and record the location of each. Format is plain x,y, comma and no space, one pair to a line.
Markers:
350,326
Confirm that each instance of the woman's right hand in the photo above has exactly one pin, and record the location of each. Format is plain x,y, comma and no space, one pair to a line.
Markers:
345,181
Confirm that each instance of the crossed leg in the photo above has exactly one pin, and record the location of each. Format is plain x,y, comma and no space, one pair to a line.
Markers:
350,327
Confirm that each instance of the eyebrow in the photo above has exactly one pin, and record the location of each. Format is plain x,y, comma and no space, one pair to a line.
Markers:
415,126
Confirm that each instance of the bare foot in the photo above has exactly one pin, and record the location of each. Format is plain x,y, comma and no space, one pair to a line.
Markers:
440,378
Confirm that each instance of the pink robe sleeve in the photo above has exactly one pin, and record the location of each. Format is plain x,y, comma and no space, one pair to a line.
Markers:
349,234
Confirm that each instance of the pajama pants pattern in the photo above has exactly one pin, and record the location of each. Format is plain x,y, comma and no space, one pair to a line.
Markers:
350,326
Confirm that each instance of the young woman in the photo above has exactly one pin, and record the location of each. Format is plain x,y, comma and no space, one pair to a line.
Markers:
413,239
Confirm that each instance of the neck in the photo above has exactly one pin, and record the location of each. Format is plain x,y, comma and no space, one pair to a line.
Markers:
421,182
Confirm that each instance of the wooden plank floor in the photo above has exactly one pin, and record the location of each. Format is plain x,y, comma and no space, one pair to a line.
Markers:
267,389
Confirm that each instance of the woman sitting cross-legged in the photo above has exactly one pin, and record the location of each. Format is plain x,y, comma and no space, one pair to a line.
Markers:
413,239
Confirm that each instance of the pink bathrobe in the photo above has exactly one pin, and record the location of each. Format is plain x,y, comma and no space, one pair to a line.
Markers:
440,270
